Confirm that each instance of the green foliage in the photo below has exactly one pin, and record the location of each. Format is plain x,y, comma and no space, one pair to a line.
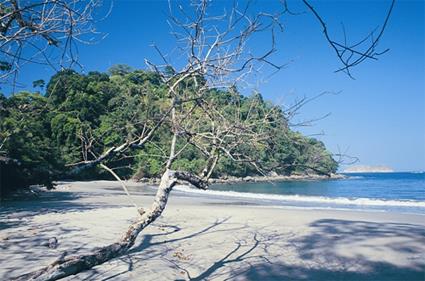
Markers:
38,83
120,69
25,129
40,134
312,156
5,66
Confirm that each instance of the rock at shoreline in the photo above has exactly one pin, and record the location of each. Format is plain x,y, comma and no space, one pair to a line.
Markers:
269,178
276,177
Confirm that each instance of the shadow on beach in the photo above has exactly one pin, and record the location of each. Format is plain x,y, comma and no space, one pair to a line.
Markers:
252,258
44,203
98,195
321,246
223,248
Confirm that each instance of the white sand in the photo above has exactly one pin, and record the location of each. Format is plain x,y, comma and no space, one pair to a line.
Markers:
210,239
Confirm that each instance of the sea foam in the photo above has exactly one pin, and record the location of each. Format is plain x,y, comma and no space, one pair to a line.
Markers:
307,199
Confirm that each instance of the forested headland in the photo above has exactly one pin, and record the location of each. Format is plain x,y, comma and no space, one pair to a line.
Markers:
77,117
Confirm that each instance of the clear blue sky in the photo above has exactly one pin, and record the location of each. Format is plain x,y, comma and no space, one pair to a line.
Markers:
379,117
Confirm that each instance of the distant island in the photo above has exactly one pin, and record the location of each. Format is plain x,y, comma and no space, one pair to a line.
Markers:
368,169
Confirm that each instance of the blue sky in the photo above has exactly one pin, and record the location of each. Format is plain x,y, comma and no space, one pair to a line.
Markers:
379,117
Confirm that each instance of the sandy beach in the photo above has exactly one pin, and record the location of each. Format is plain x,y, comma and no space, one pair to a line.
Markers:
201,238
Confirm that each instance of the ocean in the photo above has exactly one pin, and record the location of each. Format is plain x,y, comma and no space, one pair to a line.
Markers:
387,192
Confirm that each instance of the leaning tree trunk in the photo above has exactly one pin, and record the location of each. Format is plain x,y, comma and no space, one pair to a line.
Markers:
65,266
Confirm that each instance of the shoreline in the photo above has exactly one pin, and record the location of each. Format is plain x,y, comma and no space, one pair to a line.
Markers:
271,178
285,201
274,200
205,238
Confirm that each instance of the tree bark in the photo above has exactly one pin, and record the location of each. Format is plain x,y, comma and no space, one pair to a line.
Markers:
66,266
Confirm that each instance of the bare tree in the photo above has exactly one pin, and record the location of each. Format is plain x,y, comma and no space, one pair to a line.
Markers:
44,32
217,57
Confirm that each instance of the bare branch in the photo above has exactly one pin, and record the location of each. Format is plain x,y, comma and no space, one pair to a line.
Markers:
44,32
351,55
122,184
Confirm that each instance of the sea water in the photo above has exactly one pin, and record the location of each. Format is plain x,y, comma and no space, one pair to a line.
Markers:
394,192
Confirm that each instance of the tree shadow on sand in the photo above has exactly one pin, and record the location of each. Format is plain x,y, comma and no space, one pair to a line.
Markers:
252,258
147,248
379,272
33,248
319,252
320,255
260,254
45,202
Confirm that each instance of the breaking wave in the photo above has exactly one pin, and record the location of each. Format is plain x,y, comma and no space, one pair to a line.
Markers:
308,199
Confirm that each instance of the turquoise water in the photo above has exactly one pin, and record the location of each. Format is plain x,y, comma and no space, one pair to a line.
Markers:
397,192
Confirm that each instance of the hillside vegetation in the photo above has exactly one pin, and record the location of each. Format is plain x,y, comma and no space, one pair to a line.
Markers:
41,133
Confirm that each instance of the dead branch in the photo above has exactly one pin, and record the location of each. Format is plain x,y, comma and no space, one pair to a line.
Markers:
353,54
31,30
